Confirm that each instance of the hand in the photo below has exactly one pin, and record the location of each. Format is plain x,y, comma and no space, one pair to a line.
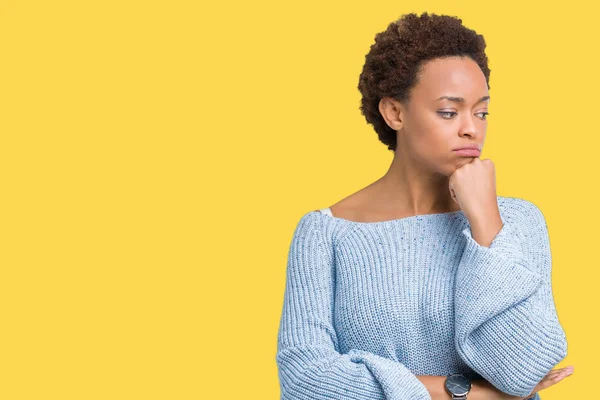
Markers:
492,393
473,187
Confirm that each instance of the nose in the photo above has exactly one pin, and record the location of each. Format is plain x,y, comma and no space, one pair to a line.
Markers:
470,127
472,134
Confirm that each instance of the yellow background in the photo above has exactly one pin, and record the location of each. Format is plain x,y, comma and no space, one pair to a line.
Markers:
157,156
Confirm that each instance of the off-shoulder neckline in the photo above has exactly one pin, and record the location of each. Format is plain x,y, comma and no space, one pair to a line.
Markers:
390,221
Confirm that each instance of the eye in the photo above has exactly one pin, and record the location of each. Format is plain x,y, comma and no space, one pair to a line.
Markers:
449,114
446,114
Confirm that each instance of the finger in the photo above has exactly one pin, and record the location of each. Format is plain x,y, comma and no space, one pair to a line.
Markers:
555,379
545,384
454,196
553,376
558,377
554,372
549,381
564,372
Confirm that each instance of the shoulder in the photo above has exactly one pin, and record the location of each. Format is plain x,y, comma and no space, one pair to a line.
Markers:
527,221
313,236
520,211
309,220
356,206
313,223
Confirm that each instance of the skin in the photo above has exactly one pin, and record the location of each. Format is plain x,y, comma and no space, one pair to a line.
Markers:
418,179
427,177
483,390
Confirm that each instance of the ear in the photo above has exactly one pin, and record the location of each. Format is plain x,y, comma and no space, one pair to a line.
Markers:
392,112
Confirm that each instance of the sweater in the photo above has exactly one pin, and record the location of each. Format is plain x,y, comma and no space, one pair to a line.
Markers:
369,305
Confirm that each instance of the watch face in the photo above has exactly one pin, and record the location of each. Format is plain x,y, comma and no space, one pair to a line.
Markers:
458,384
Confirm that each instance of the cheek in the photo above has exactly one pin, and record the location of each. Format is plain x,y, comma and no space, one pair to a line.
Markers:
426,130
431,138
437,130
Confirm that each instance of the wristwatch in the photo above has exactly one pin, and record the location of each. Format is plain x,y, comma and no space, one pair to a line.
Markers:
458,386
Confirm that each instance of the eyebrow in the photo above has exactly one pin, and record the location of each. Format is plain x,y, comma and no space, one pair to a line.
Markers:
461,99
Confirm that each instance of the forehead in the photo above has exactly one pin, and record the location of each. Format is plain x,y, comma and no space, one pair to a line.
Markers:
457,76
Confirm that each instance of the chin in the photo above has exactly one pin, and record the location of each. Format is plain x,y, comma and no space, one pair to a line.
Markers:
456,164
447,171
447,167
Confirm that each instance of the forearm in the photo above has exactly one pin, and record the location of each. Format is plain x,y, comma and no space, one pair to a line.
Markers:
480,389
435,386
484,230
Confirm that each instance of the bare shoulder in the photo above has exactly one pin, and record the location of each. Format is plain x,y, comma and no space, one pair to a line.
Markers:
356,206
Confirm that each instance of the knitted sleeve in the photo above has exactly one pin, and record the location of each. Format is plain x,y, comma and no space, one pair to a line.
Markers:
309,362
506,326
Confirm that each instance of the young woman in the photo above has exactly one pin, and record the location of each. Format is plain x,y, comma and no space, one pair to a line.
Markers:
424,284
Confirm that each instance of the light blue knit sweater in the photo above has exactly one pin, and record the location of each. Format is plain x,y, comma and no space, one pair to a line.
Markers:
369,305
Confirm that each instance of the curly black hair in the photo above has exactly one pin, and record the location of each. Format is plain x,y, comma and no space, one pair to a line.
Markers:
393,63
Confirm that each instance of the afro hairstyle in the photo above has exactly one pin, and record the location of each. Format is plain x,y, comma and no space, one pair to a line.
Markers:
392,66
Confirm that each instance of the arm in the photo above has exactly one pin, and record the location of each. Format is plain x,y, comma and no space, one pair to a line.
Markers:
507,328
480,389
309,362
435,387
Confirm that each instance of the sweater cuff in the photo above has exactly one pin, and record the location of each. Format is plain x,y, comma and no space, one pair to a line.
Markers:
396,380
492,283
492,279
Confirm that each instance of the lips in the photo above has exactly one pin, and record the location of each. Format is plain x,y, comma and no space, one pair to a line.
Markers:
466,152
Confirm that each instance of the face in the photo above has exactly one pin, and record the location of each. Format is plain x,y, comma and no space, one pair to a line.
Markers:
430,128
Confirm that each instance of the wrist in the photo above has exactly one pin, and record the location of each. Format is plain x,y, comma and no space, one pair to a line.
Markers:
458,386
435,386
485,230
480,390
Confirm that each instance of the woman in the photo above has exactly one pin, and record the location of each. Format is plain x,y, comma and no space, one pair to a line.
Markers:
424,284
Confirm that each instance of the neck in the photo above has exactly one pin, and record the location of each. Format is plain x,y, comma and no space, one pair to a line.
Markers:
410,187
